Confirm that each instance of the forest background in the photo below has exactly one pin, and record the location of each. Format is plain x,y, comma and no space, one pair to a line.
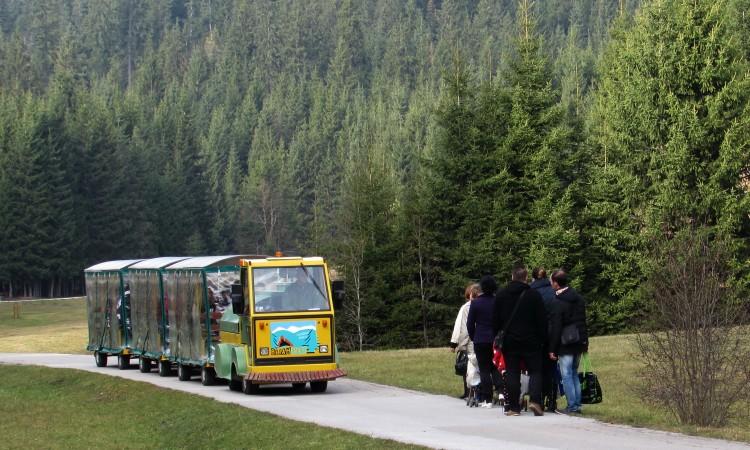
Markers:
416,144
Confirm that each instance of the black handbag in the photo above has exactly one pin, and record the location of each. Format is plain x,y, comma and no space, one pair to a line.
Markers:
462,362
591,390
570,335
500,337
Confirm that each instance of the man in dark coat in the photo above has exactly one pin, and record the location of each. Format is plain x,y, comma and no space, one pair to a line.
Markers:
525,335
569,317
541,284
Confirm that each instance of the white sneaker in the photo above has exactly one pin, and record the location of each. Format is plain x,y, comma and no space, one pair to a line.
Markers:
485,405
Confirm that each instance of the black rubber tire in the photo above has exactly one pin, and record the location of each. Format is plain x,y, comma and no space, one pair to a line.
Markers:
165,368
144,364
249,388
319,386
298,387
234,383
100,359
208,376
123,362
184,372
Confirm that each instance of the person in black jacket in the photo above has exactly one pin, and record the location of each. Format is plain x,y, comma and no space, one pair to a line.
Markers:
525,335
541,283
569,317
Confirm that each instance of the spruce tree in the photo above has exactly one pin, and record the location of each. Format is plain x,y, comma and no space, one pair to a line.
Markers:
669,119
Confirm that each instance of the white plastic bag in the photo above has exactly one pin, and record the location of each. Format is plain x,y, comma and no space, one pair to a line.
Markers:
472,372
524,386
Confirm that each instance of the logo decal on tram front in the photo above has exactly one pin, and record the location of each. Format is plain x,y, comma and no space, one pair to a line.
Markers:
294,338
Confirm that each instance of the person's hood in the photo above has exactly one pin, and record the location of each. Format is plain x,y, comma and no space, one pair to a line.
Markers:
568,295
516,287
540,283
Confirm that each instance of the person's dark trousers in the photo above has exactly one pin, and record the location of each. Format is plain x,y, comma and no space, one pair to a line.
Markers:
497,380
466,389
533,361
550,383
484,360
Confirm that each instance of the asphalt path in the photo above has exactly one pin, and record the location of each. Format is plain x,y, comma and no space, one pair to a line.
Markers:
436,421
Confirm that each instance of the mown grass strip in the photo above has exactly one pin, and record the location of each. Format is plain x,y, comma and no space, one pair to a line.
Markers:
52,408
55,326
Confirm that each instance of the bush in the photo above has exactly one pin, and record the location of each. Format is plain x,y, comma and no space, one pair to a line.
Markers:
697,354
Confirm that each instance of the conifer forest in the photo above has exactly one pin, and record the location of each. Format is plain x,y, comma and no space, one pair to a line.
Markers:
415,144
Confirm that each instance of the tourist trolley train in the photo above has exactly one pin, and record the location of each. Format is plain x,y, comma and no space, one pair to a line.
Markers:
249,320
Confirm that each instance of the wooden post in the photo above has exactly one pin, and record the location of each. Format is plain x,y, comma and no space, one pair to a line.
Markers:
16,310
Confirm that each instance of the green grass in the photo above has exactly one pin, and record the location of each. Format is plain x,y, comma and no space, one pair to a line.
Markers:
48,408
56,326
60,326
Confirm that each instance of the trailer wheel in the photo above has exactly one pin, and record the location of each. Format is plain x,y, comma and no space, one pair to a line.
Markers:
144,364
165,368
101,359
298,387
208,376
183,372
234,383
249,388
123,362
319,386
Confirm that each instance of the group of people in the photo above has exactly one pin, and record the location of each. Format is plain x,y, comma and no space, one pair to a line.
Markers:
538,327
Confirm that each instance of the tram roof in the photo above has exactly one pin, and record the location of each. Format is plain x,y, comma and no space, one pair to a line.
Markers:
158,263
202,262
112,265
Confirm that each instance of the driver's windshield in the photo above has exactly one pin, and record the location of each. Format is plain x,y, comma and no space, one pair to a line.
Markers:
283,289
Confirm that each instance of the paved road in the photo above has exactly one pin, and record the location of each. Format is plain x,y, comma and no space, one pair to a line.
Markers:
431,420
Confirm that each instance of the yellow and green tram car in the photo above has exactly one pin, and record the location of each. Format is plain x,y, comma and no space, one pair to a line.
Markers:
250,320
281,328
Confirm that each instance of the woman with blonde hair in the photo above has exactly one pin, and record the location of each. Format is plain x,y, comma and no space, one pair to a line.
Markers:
460,341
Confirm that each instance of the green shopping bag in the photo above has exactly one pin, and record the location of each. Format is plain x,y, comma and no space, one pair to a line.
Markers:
591,390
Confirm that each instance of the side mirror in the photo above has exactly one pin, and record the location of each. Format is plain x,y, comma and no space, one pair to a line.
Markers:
337,288
238,299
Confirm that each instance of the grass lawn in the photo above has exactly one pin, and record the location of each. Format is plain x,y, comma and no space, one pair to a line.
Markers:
60,326
55,326
48,408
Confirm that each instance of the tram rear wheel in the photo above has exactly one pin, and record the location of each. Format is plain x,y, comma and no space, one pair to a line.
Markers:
100,358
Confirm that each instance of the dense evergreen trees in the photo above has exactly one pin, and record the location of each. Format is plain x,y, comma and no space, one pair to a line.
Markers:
669,127
416,144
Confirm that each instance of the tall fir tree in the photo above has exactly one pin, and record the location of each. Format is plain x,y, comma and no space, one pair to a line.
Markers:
669,122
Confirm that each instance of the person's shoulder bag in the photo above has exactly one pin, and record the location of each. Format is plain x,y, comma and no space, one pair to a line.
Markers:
500,337
570,333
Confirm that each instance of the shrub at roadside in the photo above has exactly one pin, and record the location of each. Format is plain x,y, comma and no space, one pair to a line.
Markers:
696,358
